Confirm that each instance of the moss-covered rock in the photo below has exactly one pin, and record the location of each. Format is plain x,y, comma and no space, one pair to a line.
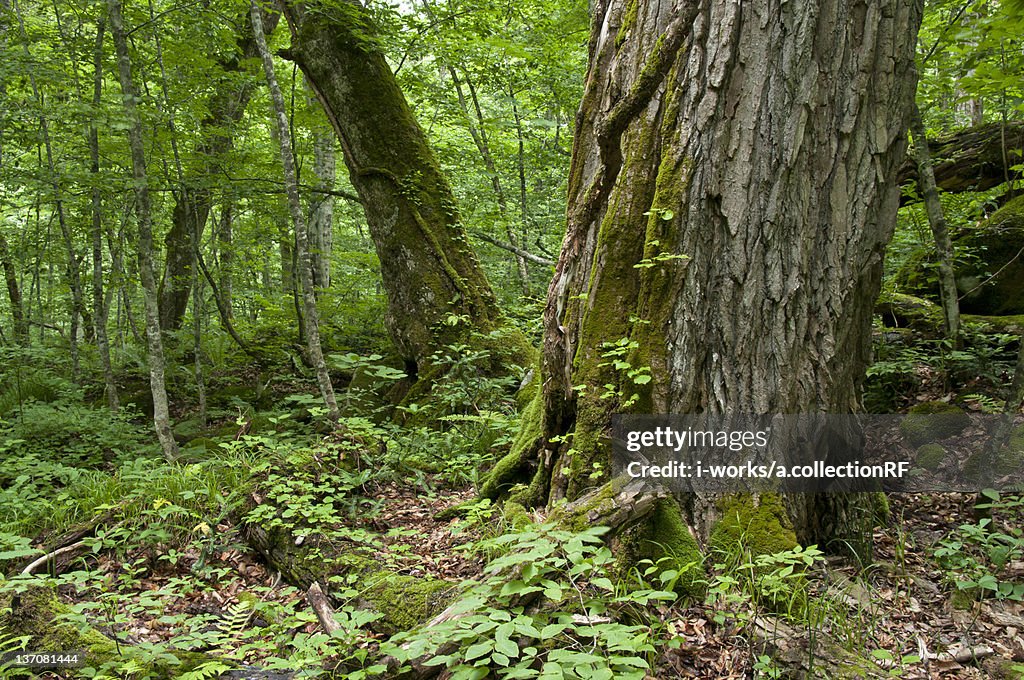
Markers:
995,284
760,524
984,465
930,456
899,310
515,514
933,420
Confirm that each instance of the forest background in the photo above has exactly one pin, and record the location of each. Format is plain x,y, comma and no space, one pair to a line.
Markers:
280,394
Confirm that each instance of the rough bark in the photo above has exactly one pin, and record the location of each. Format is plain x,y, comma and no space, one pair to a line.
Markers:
437,293
194,199
975,159
143,211
745,158
303,254
940,230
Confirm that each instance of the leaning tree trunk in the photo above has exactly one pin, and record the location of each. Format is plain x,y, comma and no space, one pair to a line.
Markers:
437,293
731,194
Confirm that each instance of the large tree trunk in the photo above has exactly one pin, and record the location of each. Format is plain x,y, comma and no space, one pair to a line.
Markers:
437,293
193,201
731,194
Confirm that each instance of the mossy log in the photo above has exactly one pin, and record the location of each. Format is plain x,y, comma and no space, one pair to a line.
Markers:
402,600
972,160
899,310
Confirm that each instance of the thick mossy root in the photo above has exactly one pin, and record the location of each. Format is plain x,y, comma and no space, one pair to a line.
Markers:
665,540
517,469
756,523
403,601
930,456
36,611
933,420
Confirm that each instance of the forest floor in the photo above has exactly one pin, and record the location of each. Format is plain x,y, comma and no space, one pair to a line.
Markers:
898,609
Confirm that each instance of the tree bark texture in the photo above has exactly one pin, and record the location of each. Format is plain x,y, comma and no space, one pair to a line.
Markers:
100,307
731,194
143,210
321,213
193,201
429,271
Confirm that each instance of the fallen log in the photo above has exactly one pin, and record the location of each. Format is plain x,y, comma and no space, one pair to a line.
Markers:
403,600
975,159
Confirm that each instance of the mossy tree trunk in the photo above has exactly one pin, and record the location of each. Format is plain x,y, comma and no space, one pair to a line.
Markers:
731,194
437,292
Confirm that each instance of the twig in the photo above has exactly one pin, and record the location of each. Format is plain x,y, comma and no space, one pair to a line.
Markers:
52,555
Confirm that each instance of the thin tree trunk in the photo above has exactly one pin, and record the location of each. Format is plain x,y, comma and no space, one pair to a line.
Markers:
940,230
305,263
321,214
10,272
73,272
99,300
524,210
225,249
154,343
479,134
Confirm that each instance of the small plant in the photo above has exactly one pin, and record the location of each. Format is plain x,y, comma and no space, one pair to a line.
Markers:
976,554
576,636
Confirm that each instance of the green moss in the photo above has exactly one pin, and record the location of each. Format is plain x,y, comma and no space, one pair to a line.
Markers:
511,469
515,515
38,613
962,599
664,539
406,601
984,465
933,420
759,524
628,21
1013,323
899,310
882,511
580,518
930,456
